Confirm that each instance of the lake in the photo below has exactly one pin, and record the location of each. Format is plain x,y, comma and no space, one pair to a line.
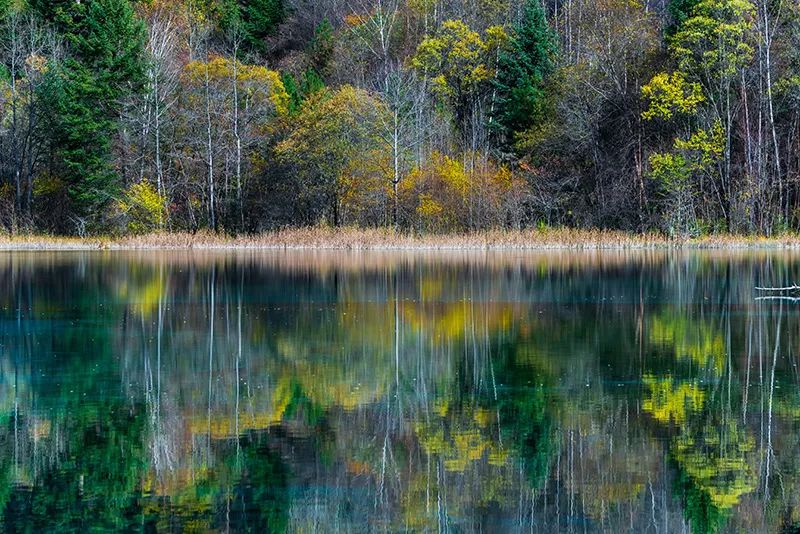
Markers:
404,392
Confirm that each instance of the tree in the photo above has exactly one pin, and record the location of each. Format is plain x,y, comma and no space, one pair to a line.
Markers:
334,134
226,107
256,19
31,55
523,63
679,11
710,50
106,42
459,65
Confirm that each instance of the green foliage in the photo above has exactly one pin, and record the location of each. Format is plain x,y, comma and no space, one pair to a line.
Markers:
295,97
320,50
255,19
299,90
96,490
106,40
679,11
523,63
260,18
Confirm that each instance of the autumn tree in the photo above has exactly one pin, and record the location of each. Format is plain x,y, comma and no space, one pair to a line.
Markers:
228,107
459,65
337,152
709,49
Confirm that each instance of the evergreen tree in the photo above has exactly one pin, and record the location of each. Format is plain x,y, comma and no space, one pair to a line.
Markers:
522,67
679,11
106,42
259,19
255,19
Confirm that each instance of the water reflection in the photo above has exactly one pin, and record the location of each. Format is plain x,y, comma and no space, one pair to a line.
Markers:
300,392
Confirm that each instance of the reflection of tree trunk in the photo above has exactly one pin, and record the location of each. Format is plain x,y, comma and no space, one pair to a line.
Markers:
747,375
211,311
238,360
769,402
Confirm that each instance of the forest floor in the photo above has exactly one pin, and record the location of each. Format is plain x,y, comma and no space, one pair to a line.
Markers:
383,239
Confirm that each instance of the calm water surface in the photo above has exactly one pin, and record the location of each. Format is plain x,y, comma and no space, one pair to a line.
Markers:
449,392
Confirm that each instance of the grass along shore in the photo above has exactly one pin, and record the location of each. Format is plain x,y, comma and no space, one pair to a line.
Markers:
322,238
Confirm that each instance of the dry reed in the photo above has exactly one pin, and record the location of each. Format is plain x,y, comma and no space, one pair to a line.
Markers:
325,238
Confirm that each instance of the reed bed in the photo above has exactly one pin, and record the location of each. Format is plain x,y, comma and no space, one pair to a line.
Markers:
325,238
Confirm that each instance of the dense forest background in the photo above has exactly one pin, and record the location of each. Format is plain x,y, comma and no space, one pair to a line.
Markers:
425,115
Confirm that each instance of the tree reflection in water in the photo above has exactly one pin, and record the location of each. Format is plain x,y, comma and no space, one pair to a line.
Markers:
399,392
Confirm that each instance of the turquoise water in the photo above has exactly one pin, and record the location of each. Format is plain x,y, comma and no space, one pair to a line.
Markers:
392,392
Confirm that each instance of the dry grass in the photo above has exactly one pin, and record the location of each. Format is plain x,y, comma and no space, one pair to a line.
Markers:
324,238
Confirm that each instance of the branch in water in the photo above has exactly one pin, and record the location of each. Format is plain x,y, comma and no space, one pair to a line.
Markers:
790,288
790,299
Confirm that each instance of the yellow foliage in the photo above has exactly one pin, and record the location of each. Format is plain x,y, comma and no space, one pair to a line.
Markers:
706,145
47,185
716,39
671,94
428,208
457,58
256,81
144,207
461,437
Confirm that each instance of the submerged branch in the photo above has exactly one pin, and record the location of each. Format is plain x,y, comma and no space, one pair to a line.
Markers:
790,299
789,288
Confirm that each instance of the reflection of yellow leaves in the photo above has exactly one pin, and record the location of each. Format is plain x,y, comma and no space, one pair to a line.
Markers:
717,460
358,468
328,383
484,417
144,295
697,341
667,402
226,426
40,429
430,287
453,320
498,457
281,399
432,442
441,406
460,437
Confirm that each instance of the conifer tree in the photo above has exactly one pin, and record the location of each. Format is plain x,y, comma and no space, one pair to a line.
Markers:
522,67
106,41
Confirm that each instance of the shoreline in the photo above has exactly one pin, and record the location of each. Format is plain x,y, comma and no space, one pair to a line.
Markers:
344,239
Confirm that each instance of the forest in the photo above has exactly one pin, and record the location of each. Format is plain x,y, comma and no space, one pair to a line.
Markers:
426,116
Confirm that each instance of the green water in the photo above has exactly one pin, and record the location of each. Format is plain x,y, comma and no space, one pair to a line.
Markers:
460,392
